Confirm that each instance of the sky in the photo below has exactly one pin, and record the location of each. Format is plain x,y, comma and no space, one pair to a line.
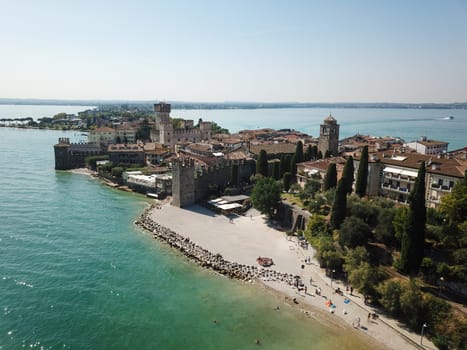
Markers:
223,50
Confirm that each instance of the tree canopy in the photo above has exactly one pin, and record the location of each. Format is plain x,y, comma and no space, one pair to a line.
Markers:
299,152
339,206
330,179
262,163
362,175
265,195
413,237
348,174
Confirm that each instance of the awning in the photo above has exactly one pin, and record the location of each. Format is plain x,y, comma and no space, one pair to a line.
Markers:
229,206
391,170
409,173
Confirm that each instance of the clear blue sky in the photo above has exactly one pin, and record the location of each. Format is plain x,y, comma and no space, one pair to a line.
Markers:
235,50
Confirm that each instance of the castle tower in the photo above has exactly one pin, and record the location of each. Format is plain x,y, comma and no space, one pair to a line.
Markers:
329,136
61,150
162,113
183,182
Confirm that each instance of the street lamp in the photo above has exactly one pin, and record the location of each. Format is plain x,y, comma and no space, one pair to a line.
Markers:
332,272
423,329
441,281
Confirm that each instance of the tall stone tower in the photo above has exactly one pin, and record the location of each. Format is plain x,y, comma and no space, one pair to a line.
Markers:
329,136
162,113
183,182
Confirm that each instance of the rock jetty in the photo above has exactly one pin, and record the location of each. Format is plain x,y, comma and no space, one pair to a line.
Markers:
208,259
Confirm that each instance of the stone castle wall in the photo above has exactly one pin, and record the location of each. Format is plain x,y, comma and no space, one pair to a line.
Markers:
189,186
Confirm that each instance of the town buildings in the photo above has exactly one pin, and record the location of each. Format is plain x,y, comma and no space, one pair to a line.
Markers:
428,147
392,175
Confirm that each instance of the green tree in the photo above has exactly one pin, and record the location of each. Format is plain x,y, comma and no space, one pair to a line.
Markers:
354,232
362,175
276,170
365,278
355,257
293,165
317,226
312,186
327,154
287,181
454,205
117,171
390,292
319,155
308,154
400,222
347,174
330,179
413,238
234,174
339,206
265,195
299,152
314,152
411,301
262,163
384,231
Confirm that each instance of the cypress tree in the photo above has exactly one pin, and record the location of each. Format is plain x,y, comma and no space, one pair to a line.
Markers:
293,165
320,155
287,181
283,168
234,174
347,174
339,206
262,163
413,238
299,152
308,154
276,170
362,175
327,154
314,152
330,179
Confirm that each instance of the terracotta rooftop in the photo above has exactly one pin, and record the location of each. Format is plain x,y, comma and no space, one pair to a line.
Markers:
435,165
273,148
103,129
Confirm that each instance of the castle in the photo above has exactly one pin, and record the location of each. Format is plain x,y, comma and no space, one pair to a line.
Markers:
166,133
191,182
72,155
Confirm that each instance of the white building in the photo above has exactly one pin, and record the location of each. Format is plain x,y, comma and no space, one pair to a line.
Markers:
428,147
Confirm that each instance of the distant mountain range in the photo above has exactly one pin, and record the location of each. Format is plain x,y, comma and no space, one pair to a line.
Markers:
233,105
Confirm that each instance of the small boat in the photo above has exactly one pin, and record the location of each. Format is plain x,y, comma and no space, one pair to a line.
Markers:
152,195
448,118
265,262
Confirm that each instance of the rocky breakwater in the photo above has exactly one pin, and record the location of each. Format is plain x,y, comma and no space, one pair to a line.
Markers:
207,259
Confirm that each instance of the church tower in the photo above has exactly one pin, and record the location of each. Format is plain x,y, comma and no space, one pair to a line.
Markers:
329,136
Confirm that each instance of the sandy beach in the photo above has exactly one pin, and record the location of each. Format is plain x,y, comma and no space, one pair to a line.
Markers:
243,239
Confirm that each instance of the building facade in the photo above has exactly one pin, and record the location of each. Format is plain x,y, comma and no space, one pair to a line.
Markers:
393,175
428,147
72,155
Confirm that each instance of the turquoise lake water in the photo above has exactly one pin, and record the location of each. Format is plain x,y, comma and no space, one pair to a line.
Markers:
75,273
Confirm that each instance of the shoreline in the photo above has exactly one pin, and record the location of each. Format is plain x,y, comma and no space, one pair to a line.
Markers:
350,312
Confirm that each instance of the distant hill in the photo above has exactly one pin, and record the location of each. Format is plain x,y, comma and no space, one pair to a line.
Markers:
233,105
